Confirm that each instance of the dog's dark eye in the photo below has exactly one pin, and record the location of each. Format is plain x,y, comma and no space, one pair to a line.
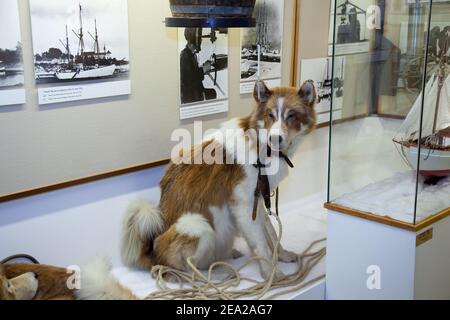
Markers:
9,285
271,116
290,117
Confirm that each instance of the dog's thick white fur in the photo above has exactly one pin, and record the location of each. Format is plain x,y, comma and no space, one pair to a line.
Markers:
204,206
23,287
142,222
97,283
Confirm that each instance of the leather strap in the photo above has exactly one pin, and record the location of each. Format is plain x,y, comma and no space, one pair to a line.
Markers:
262,184
288,161
262,189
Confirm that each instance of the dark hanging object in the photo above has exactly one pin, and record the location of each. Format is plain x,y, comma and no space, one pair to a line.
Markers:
211,14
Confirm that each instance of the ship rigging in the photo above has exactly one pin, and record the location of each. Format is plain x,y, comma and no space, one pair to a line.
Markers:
431,142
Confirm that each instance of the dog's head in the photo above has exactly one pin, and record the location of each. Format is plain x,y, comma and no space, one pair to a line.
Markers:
285,113
23,287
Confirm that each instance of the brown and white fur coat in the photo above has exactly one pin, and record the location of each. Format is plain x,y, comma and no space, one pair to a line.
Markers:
25,281
20,287
203,207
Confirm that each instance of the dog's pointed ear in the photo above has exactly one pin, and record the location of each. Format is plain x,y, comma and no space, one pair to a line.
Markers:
261,93
308,93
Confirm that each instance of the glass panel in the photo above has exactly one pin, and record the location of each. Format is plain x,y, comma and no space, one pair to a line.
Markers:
406,23
434,182
381,83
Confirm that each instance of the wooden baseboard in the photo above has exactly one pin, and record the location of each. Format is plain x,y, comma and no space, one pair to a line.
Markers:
391,116
80,181
343,120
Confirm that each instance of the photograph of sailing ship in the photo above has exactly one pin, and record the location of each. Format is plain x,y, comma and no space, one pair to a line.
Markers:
11,66
77,40
431,142
268,34
203,56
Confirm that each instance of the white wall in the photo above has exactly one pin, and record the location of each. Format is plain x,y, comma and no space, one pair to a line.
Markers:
73,225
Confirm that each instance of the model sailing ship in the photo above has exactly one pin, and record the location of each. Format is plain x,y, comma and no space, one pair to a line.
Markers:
435,136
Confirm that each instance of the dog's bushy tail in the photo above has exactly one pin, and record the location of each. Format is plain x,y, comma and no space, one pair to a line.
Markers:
142,224
97,283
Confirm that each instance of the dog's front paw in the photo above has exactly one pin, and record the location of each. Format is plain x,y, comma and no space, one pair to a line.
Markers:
287,256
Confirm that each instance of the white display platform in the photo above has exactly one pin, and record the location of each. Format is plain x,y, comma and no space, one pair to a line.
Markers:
303,222
371,260
395,197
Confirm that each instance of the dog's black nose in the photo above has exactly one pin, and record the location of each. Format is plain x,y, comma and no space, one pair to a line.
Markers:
276,138
36,276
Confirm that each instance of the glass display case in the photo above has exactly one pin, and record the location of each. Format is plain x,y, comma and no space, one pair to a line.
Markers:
390,151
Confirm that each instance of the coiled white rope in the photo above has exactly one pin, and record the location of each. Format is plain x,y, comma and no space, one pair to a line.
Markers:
195,285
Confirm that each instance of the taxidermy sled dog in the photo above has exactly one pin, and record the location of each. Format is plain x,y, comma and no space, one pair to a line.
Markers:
204,206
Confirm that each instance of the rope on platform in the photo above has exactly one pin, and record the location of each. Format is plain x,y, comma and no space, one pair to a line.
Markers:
194,285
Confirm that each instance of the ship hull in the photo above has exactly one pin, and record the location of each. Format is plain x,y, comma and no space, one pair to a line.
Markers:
433,163
102,72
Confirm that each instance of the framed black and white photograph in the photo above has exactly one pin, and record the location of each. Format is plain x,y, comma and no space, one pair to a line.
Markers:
320,70
83,42
203,61
351,33
11,65
268,34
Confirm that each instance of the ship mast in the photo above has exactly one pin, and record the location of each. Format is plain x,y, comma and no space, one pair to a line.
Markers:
81,32
262,28
67,47
80,35
95,38
442,73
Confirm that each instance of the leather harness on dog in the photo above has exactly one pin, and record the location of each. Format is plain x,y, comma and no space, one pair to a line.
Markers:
262,185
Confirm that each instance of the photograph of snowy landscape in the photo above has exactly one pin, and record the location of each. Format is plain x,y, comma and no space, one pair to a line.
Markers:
268,35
